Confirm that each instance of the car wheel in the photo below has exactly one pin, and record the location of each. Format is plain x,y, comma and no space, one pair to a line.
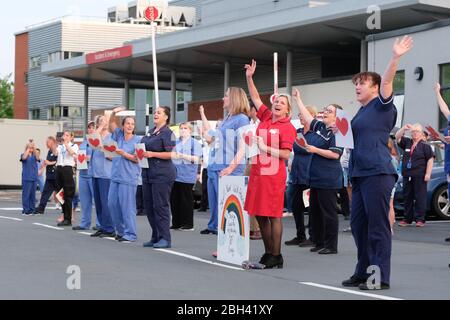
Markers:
441,205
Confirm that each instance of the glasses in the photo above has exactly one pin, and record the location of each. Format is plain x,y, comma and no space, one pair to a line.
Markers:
327,110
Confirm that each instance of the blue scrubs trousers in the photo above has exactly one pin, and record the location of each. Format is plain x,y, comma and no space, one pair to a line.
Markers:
122,205
86,196
157,208
101,191
370,224
29,196
213,199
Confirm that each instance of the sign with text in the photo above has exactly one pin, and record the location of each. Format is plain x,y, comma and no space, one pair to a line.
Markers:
108,55
233,241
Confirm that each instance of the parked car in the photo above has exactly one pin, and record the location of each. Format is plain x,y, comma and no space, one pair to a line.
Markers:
437,189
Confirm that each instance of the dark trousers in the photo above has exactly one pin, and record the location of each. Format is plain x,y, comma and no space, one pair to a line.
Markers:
49,188
298,208
182,205
370,224
324,213
345,202
139,200
204,202
65,181
415,195
157,208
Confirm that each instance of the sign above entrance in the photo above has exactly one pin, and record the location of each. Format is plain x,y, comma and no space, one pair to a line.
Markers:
108,55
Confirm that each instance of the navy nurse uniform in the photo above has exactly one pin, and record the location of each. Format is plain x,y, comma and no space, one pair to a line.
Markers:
373,178
157,182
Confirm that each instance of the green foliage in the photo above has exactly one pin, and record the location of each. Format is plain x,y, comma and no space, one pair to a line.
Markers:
6,97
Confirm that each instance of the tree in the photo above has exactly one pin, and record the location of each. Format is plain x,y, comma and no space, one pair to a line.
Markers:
6,97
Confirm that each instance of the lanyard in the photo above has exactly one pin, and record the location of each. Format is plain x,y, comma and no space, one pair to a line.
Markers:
413,147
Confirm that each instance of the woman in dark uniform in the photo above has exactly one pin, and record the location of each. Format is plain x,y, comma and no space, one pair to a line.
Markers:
158,179
372,173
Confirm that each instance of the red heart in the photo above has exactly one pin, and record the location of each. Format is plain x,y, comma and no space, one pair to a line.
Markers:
61,195
81,158
248,138
140,154
301,142
94,142
110,148
342,125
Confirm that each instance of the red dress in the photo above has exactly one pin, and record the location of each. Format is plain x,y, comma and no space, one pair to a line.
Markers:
267,184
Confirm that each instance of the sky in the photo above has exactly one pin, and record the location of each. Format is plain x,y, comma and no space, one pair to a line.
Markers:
16,15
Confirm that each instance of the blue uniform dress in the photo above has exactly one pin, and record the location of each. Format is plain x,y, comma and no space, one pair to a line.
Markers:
182,200
124,182
373,178
41,178
157,182
85,189
225,147
299,180
325,180
447,155
100,170
29,184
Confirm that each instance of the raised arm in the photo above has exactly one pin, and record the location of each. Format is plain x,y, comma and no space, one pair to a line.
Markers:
205,121
442,105
400,133
112,118
27,152
303,111
400,48
254,94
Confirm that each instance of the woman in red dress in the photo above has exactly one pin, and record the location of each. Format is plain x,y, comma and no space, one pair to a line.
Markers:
275,138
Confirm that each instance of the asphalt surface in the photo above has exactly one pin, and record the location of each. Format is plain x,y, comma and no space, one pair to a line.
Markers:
34,261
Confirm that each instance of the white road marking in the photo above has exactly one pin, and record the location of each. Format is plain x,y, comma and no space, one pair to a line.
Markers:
11,209
86,233
13,219
199,259
47,226
369,295
437,222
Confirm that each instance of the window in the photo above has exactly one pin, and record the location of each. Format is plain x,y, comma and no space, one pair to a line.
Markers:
76,54
399,83
180,107
445,91
35,62
35,114
54,56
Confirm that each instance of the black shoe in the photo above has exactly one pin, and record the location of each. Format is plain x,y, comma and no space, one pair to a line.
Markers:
187,228
108,235
97,234
123,240
365,287
354,281
207,231
174,228
307,244
274,262
447,240
327,251
294,242
118,238
316,249
78,228
65,223
264,258
38,212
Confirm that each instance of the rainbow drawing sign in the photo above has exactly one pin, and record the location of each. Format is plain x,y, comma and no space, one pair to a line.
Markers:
233,241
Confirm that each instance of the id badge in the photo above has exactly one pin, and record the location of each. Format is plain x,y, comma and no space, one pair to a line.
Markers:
409,165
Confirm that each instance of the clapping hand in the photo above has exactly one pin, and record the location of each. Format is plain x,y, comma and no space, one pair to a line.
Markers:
402,46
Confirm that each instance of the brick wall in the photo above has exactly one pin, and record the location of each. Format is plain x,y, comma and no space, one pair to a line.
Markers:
21,68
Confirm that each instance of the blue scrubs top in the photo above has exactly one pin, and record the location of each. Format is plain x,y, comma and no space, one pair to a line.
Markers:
227,143
447,150
125,171
302,162
371,128
100,167
324,173
159,171
187,171
86,147
29,168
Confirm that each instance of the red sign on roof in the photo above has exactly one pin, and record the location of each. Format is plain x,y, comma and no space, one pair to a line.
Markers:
108,55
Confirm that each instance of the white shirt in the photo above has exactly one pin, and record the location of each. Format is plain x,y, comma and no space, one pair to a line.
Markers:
64,158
